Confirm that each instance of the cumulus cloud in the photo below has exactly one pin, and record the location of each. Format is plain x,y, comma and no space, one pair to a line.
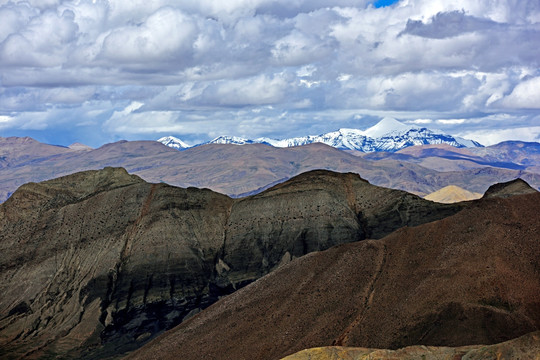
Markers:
526,95
204,64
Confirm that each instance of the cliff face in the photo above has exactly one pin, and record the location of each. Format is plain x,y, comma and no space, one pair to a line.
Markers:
470,278
97,263
103,257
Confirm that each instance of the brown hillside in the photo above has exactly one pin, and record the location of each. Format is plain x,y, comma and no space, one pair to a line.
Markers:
510,188
471,278
96,263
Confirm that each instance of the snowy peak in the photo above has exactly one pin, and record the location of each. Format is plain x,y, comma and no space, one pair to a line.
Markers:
387,135
173,142
230,140
387,126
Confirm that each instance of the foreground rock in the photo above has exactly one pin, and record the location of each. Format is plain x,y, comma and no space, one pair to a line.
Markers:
471,278
525,347
97,263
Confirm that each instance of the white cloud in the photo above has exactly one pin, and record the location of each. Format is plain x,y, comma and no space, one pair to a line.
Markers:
421,121
494,136
258,90
165,36
450,121
421,59
525,95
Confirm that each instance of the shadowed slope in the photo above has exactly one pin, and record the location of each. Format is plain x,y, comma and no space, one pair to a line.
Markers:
510,188
99,262
471,278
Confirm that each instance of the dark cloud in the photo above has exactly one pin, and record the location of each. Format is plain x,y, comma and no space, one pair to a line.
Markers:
448,24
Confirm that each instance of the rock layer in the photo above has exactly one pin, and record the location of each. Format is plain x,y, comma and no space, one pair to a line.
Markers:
471,278
525,347
97,263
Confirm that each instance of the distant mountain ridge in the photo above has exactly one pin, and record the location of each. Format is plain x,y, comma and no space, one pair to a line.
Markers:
387,135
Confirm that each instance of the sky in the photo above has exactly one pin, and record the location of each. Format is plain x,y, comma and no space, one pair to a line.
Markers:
98,71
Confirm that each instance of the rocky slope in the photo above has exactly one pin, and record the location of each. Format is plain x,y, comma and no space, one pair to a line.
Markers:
508,189
471,278
99,262
524,347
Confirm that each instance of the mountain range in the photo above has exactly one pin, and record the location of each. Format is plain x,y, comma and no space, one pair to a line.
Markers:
97,263
242,170
469,278
387,135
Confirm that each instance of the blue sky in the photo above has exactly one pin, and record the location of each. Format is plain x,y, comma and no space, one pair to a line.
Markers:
383,3
97,71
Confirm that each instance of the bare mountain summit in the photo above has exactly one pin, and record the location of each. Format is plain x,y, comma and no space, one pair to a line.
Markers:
510,188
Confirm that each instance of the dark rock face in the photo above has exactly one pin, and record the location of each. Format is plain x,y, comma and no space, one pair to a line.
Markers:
470,278
510,188
97,263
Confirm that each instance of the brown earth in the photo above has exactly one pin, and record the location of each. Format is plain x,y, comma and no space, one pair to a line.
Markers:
524,347
517,155
471,278
243,170
97,263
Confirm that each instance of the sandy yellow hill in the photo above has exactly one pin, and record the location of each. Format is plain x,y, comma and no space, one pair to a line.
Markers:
452,194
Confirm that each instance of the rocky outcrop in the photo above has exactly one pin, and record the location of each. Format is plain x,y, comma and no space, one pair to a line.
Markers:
98,263
525,347
471,278
510,188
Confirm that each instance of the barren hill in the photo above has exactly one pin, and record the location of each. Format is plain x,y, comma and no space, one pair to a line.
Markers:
471,278
97,263
452,194
510,188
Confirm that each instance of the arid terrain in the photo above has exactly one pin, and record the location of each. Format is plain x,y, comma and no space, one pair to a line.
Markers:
471,278
525,347
99,262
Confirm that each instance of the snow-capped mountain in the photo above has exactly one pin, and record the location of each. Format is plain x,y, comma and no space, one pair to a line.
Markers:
387,135
235,140
173,142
